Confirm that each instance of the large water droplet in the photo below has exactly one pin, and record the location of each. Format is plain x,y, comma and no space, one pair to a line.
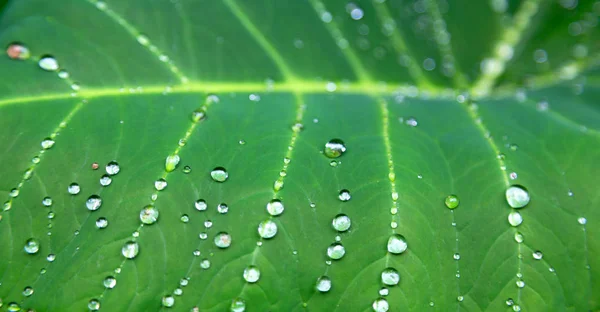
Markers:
267,229
149,215
275,207
160,184
93,202
341,223
110,282
517,196
451,201
336,251
323,284
334,148
112,168
515,218
130,250
172,162
251,274
238,305
200,205
397,244
74,189
94,305
390,277
380,305
168,301
32,246
48,63
344,195
223,240
219,174
101,223
17,51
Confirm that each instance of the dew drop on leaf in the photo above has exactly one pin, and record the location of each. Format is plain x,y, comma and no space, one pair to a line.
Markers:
168,301
110,282
336,251
101,223
219,174
519,237
517,196
47,143
47,201
51,257
200,205
238,305
582,220
93,202
334,148
130,250
223,240
384,292
105,180
74,189
94,305
112,168
390,277
222,208
48,63
205,264
341,223
251,274
17,51
537,255
27,291
397,244
411,121
344,195
187,169
149,215
198,115
275,207
323,284
208,224
451,201
14,193
380,305
515,218
520,284
267,229
172,162
184,218
160,184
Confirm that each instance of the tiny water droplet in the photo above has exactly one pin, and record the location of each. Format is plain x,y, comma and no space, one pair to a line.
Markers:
251,274
267,229
278,185
184,218
515,218
94,305
519,237
168,301
187,169
51,257
32,246
130,250
18,51
335,148
160,184
223,240
509,302
200,205
48,63
47,201
112,168
397,244
93,203
390,277
222,208
275,207
452,201
208,224
341,223
219,174
74,189
537,255
149,215
101,223
28,291
323,284
517,196
172,162
380,305
456,256
520,284
384,292
238,305
513,175
198,115
184,282
582,220
110,282
336,251
460,298
411,121
105,180
47,143
344,195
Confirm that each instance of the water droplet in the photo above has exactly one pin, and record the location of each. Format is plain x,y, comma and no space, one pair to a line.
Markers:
35,159
267,229
341,223
205,264
184,282
28,291
184,218
380,305
149,215
323,284
223,240
172,162
336,251
515,218
219,174
582,220
130,250
460,298
160,184
238,305
537,255
187,169
110,282
275,207
94,305
411,121
390,277
14,193
105,180
200,205
112,168
456,256
17,51
93,203
251,274
520,284
32,246
51,257
452,201
178,291
101,223
168,301
47,201
517,196
48,63
13,307
384,291
222,208
208,224
344,195
74,189
334,148
95,166
519,237
516,308
47,143
397,244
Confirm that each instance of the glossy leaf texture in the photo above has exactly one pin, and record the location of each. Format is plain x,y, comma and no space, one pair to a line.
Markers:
249,134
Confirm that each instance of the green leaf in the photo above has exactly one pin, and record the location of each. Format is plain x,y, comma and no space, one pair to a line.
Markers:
218,113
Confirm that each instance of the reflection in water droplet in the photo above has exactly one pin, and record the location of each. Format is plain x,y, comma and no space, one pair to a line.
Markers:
48,63
112,168
238,305
219,174
380,305
515,218
74,189
344,195
267,229
18,51
94,305
172,162
93,203
251,274
32,246
390,277
208,224
451,201
101,223
341,223
323,284
517,196
130,250
160,184
397,244
223,240
110,282
275,207
334,148
149,215
537,255
336,251
456,256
